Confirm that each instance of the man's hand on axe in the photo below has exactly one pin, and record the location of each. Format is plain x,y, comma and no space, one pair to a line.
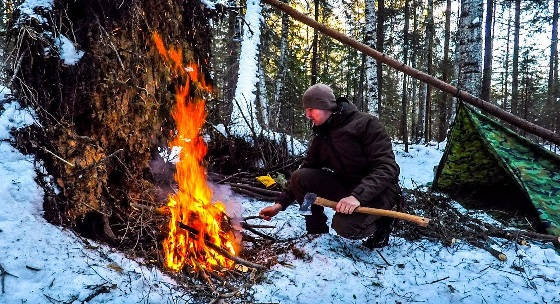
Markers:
347,205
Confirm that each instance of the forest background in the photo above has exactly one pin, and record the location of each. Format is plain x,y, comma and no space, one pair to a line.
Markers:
503,51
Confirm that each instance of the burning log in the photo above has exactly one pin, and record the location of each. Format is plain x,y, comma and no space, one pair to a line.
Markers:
222,251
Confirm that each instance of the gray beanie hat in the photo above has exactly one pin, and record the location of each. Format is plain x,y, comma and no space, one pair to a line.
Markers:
319,96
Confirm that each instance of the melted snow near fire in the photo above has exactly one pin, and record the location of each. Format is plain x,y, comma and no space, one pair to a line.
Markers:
48,263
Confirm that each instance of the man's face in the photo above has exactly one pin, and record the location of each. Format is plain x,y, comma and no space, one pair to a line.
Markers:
317,116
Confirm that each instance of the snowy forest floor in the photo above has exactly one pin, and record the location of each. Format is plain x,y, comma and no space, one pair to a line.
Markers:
48,264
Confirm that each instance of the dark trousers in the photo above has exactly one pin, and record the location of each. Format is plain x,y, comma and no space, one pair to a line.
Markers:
353,226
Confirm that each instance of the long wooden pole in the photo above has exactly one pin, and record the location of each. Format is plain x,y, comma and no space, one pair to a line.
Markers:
445,87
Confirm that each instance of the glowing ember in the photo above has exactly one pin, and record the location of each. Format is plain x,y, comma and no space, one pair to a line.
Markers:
192,205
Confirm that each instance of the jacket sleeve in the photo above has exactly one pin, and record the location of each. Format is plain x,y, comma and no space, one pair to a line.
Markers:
383,169
309,161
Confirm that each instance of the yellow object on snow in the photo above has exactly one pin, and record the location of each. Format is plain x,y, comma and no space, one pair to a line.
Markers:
267,180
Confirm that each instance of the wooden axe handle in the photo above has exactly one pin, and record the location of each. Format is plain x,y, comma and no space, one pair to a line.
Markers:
421,221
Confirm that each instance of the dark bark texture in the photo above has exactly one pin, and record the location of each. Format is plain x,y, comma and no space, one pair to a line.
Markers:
108,114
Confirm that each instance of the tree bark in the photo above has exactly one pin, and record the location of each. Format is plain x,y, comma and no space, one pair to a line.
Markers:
505,92
372,92
487,72
470,46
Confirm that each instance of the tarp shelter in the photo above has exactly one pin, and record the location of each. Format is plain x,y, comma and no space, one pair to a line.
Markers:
484,156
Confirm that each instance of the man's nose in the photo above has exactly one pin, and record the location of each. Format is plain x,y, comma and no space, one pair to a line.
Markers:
308,113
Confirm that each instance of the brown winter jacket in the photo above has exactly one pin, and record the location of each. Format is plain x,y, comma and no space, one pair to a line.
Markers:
355,146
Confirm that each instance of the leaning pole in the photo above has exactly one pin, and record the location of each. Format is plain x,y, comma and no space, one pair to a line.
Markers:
445,87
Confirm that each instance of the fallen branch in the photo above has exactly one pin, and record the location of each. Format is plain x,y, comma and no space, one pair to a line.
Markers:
99,290
221,250
252,194
256,189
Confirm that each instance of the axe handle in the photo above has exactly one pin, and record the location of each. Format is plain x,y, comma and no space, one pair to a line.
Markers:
421,221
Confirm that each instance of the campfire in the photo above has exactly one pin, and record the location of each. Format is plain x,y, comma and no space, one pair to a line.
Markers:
197,227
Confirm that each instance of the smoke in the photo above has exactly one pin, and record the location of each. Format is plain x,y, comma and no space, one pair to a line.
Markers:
232,201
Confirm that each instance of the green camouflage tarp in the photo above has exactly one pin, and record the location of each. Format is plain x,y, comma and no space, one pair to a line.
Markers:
481,151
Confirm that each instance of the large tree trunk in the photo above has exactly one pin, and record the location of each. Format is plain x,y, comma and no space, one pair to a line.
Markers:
515,73
372,92
314,68
487,72
104,118
470,46
447,70
404,100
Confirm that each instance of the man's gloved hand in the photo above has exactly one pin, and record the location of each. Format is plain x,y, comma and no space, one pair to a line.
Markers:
268,212
347,205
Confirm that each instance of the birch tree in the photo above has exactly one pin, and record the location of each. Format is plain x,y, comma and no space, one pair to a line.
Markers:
470,46
243,117
371,94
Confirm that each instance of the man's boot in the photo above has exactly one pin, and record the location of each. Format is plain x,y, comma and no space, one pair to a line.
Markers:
316,223
380,238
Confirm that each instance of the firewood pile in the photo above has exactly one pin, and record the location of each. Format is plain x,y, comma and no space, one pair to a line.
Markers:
448,224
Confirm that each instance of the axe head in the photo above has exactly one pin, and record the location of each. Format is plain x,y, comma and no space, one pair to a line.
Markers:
308,200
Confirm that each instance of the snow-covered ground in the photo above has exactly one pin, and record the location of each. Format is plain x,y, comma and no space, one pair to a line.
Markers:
48,263
53,265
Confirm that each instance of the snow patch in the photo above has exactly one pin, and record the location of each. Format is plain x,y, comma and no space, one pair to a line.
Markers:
418,164
29,7
14,117
66,50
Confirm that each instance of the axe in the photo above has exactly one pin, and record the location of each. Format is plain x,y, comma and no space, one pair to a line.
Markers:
311,198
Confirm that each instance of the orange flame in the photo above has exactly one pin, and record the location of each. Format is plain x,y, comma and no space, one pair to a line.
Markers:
192,205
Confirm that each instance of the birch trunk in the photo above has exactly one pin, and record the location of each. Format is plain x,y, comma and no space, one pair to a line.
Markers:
505,92
470,46
371,93
243,117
